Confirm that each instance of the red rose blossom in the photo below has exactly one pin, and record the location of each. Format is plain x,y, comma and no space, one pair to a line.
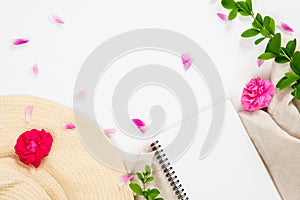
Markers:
32,146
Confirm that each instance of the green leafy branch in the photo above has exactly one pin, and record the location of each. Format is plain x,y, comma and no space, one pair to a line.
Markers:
265,26
145,177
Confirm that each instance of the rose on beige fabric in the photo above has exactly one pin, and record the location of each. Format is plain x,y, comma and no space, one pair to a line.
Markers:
69,172
276,135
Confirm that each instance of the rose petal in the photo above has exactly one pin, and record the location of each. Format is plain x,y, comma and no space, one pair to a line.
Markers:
69,126
260,62
286,27
35,69
186,61
19,41
36,163
28,113
57,19
140,125
80,95
125,179
1,126
222,16
109,131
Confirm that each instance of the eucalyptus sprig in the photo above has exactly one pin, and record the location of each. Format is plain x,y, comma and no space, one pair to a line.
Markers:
145,178
265,26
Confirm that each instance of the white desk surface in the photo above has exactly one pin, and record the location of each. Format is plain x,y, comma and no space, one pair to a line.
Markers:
60,51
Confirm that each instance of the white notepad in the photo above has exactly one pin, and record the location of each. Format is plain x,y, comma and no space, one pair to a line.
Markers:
232,171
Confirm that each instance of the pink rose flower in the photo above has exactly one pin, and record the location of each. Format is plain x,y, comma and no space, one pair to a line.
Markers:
257,94
32,146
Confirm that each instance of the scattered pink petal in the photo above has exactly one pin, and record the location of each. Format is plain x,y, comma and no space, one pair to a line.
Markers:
286,27
35,69
80,95
1,126
223,17
109,131
28,113
260,62
69,126
57,19
125,179
140,125
186,61
19,41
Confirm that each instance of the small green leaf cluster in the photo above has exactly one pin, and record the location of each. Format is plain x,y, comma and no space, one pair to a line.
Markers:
242,7
265,26
145,178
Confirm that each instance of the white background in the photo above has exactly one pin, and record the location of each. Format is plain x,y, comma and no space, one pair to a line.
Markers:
60,51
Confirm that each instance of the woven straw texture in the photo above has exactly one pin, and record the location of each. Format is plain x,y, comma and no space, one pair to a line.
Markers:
69,172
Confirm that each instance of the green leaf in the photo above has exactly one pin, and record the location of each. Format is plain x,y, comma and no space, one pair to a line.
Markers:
159,199
250,33
233,13
243,13
295,64
140,176
269,24
153,193
256,24
266,56
136,188
291,46
249,4
149,179
281,59
147,170
292,75
274,44
267,20
259,40
265,32
259,18
283,83
243,5
228,4
287,52
287,80
296,92
149,198
272,26
243,8
145,194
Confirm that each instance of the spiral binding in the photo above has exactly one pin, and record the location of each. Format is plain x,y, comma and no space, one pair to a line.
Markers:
168,171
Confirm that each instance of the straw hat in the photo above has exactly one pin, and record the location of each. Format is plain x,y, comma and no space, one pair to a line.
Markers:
69,172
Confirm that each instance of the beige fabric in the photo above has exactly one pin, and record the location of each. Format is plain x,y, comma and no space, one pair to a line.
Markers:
276,135
69,172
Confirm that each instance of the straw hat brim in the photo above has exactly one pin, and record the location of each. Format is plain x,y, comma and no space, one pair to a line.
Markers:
68,172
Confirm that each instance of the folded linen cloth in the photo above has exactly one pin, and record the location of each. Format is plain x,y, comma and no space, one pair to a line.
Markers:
276,135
